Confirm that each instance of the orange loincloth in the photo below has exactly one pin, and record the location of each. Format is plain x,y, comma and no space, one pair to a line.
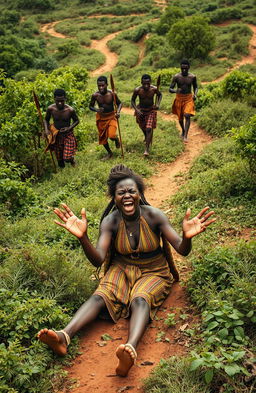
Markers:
107,125
182,104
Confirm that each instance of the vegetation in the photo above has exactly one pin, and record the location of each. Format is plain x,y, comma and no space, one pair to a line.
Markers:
44,275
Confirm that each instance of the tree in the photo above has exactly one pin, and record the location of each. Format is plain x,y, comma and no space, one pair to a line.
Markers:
170,16
192,37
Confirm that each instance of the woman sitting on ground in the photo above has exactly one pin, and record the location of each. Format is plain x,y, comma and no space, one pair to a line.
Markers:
138,277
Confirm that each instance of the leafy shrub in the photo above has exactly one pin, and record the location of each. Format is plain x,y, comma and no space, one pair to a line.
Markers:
15,195
192,37
229,309
24,363
170,16
239,84
245,139
223,14
174,375
166,75
219,117
36,4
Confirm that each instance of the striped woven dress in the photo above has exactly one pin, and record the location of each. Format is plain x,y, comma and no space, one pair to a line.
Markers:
143,272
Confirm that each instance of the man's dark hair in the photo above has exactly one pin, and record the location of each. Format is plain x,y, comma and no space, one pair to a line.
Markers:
59,93
185,61
102,79
146,76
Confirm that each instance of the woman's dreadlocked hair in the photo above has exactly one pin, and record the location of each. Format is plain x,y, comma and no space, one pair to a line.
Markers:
118,173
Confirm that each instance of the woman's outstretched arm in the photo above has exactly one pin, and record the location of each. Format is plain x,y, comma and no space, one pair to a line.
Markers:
78,227
191,227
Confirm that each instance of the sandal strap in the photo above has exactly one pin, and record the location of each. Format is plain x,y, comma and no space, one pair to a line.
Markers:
133,350
65,334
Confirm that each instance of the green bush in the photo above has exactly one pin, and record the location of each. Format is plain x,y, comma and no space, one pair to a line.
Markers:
245,139
239,84
219,117
15,195
192,37
24,364
170,16
166,75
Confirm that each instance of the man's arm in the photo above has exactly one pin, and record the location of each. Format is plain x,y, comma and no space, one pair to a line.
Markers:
195,87
133,101
172,85
92,104
158,99
75,119
119,105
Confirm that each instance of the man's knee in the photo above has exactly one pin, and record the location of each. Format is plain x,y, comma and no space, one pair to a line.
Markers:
187,115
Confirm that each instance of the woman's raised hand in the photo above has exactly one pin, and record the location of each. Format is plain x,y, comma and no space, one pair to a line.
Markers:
72,223
194,226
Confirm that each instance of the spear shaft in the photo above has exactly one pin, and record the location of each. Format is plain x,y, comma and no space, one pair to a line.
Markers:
42,125
115,107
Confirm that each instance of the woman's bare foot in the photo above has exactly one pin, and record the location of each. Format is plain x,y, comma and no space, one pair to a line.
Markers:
146,153
127,357
55,340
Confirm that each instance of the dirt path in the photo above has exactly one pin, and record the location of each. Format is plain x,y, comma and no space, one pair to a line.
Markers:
111,57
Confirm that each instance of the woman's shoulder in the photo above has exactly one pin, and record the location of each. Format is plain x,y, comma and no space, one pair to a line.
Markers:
111,220
152,213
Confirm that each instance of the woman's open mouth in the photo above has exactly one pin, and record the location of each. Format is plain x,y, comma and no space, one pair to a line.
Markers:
128,206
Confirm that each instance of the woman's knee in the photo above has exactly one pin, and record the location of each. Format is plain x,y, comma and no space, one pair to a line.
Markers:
98,300
139,302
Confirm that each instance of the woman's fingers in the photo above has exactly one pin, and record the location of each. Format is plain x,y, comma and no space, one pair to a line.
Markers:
68,210
207,216
60,224
83,214
201,213
60,214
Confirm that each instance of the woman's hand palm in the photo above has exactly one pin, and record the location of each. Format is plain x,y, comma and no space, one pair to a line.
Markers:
76,226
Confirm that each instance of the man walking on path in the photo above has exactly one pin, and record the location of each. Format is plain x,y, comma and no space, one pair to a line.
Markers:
183,105
145,112
60,134
106,117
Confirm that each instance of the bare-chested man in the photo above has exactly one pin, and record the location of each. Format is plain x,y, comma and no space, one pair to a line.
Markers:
61,131
106,117
183,105
145,112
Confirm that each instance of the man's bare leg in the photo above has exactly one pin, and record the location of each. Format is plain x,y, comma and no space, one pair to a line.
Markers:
117,142
126,354
181,121
110,153
84,315
187,126
149,135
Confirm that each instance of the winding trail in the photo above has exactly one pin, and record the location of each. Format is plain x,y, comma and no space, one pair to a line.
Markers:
93,370
111,57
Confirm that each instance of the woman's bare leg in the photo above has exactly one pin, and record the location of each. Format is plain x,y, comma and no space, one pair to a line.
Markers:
85,314
140,314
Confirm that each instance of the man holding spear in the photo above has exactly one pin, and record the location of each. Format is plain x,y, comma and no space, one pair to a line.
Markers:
145,112
107,114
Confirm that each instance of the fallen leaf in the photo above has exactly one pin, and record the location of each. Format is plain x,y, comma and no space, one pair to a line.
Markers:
183,327
106,337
